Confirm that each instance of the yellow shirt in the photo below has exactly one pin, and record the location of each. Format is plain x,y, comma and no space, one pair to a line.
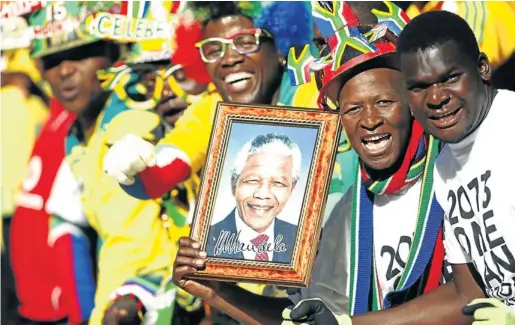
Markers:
493,24
21,119
193,130
135,243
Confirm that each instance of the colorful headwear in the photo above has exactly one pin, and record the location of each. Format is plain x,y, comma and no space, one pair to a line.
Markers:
187,33
60,26
289,22
178,46
16,38
15,34
146,24
347,43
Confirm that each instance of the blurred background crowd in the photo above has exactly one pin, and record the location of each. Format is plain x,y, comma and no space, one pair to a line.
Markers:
79,75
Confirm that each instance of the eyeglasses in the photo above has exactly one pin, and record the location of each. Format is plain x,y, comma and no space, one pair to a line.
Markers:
243,42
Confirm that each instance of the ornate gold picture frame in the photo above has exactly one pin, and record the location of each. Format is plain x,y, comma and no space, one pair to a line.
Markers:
263,193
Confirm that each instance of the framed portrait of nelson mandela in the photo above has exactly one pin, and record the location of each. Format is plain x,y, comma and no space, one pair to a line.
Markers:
263,193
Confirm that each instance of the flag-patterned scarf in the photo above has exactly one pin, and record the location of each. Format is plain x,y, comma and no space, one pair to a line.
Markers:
418,162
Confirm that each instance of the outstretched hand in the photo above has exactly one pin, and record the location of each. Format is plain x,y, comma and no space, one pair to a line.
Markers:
124,311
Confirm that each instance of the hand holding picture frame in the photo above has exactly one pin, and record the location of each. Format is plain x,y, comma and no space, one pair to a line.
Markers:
263,193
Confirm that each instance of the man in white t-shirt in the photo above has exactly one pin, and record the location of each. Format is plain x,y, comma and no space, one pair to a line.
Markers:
448,80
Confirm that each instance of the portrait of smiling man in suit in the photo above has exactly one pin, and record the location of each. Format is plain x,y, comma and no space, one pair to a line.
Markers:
263,177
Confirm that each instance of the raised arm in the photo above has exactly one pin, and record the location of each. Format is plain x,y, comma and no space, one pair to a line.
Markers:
148,171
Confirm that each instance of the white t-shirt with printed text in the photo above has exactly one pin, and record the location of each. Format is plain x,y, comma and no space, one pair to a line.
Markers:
474,184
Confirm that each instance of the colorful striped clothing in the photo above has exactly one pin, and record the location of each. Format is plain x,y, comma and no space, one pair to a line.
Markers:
49,203
138,246
493,24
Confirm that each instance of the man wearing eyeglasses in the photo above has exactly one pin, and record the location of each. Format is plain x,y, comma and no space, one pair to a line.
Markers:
244,50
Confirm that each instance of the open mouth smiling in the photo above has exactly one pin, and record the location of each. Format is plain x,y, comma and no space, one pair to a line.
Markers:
260,208
376,143
238,81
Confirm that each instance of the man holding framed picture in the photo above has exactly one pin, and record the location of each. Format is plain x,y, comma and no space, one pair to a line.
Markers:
392,146
242,74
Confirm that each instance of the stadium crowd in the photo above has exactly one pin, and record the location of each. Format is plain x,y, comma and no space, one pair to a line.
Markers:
107,108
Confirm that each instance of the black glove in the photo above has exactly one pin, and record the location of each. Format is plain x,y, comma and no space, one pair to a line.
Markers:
313,312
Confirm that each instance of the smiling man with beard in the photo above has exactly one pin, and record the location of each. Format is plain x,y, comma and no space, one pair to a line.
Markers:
264,175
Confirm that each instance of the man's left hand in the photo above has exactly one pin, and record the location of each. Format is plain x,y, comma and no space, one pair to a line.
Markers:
313,312
495,313
124,311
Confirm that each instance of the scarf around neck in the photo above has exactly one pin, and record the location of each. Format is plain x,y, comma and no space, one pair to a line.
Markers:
418,162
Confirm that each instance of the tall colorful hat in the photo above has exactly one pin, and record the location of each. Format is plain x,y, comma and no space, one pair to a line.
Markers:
289,22
348,44
60,26
146,25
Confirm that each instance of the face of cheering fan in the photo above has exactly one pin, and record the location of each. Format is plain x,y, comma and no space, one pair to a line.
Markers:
446,90
171,107
376,117
247,70
72,75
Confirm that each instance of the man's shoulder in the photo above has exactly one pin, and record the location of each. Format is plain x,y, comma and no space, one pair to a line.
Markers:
344,206
339,219
204,100
503,106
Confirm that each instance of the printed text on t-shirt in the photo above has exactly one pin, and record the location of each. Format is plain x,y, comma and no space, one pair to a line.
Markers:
473,221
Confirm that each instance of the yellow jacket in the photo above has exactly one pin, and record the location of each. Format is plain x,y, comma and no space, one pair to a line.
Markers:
137,247
493,23
21,121
193,130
